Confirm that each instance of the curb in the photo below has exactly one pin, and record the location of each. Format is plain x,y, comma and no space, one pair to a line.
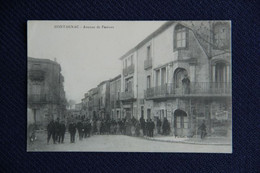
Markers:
186,142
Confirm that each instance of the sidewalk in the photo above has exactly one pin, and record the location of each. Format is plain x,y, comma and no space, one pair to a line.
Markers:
195,140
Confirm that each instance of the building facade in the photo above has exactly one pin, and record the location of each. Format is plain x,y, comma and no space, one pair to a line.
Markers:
104,100
45,91
115,105
181,72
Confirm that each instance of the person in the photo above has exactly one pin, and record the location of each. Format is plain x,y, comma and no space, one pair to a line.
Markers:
186,84
80,129
202,129
62,132
142,123
56,129
72,131
152,125
146,128
50,131
158,125
165,127
88,128
137,129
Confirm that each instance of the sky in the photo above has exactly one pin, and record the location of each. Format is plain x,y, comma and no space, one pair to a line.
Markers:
88,51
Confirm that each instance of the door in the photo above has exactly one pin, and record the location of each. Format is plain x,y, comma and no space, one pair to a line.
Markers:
180,123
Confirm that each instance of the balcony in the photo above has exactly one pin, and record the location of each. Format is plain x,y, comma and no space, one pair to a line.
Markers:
126,95
37,98
148,63
131,69
196,89
36,75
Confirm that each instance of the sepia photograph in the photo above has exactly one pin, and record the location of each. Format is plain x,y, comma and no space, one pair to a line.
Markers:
129,86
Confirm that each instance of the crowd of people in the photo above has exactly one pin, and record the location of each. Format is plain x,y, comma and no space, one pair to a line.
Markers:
87,127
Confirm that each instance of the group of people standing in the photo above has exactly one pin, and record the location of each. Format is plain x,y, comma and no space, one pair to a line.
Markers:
130,127
148,127
56,130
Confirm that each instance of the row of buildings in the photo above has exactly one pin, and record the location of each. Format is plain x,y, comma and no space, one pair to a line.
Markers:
45,92
181,72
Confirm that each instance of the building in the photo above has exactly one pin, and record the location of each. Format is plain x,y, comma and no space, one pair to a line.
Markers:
45,90
104,100
115,105
181,72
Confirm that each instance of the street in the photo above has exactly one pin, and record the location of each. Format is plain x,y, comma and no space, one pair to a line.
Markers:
122,143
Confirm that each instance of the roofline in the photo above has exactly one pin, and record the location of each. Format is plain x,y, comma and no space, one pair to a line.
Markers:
42,60
101,83
155,33
115,78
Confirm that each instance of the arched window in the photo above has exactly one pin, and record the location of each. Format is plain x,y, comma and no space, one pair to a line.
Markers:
179,74
221,74
180,37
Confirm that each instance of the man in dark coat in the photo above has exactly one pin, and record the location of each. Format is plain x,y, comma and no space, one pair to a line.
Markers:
50,131
152,125
159,124
165,126
203,128
72,131
142,124
62,132
57,129
80,129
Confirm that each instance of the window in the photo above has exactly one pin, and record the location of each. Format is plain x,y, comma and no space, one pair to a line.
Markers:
157,76
132,61
142,111
148,113
163,77
129,85
148,82
149,52
180,37
178,76
36,66
125,63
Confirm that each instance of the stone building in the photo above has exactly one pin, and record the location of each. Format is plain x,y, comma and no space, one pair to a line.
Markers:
115,105
45,90
181,72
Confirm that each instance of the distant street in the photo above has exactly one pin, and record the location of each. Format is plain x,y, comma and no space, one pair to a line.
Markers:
120,143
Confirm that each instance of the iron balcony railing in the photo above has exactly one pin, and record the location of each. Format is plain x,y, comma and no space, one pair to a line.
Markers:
126,95
194,89
148,63
37,98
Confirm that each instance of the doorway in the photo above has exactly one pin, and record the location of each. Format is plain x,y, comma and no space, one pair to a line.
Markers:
180,123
